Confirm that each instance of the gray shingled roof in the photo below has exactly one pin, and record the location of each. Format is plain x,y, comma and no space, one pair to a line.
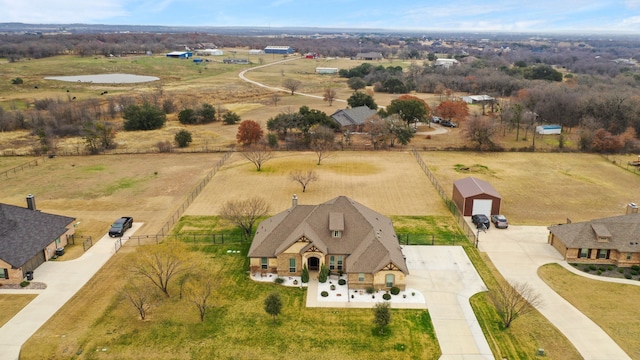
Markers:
25,232
624,231
369,239
353,117
471,186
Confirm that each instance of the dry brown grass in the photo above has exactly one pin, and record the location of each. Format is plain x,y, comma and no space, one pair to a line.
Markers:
543,189
11,304
98,189
614,307
389,182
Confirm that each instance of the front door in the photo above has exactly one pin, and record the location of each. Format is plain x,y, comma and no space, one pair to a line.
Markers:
313,264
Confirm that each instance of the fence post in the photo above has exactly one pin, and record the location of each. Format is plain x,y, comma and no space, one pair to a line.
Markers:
433,239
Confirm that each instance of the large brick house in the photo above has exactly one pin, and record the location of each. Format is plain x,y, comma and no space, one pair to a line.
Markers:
612,240
342,234
29,237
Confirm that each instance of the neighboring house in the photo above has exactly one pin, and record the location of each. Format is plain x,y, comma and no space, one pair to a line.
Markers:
474,196
28,238
369,56
342,234
353,119
326,70
613,240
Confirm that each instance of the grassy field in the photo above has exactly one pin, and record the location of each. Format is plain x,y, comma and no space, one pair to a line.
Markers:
543,189
615,309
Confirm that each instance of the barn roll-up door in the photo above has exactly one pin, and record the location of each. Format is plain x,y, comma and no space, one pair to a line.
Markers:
482,206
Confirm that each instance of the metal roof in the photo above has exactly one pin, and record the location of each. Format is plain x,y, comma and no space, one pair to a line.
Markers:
471,186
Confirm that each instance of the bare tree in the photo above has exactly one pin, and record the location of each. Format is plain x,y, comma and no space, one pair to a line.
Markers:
513,301
139,296
257,155
292,85
322,141
198,291
244,213
329,95
304,178
481,131
161,263
275,98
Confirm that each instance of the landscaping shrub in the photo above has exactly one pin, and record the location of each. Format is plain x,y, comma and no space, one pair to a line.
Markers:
333,287
627,276
342,282
635,267
609,267
395,290
386,296
599,272
370,290
278,280
24,284
634,272
17,81
620,270
324,274
586,269
602,268
183,138
324,294
305,274
592,267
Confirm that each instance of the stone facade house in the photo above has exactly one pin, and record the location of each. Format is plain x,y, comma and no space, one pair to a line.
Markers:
342,234
613,240
28,238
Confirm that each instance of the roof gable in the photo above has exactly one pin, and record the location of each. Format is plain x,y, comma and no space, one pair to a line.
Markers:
25,232
354,116
623,233
471,186
367,237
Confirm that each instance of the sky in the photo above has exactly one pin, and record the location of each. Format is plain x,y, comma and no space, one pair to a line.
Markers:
590,16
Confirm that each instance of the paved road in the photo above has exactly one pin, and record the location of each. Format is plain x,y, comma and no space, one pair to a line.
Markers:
518,252
63,279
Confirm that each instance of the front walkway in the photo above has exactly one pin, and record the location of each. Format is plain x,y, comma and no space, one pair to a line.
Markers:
63,279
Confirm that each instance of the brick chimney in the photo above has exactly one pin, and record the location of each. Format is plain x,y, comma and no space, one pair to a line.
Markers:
31,202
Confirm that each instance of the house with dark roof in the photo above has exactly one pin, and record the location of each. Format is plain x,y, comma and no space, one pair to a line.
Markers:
612,240
353,119
369,56
28,238
474,196
342,234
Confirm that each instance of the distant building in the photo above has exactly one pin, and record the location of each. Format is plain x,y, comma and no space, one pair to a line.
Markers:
236,61
256,52
278,50
326,70
446,63
475,99
353,119
211,52
180,54
369,56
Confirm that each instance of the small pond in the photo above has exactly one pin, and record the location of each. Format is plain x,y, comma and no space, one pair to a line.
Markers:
105,78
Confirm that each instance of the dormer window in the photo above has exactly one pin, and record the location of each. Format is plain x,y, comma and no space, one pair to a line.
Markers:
336,224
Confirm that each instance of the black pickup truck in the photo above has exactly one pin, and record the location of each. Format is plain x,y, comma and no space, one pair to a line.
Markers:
120,226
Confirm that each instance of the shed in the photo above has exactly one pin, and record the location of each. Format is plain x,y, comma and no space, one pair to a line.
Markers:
256,51
549,129
474,196
212,52
180,54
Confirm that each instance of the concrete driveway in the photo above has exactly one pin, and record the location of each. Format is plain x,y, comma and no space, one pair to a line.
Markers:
518,252
446,277
63,279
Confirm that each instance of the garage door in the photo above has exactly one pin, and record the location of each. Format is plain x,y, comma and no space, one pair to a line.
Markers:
482,206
